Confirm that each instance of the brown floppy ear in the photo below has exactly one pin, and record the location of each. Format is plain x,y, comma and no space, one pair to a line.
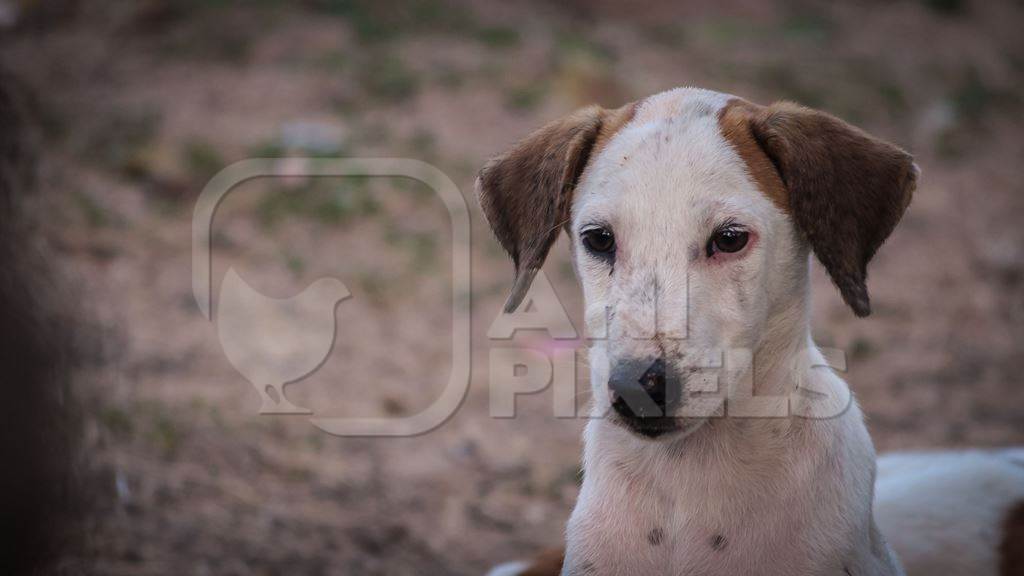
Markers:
846,190
526,192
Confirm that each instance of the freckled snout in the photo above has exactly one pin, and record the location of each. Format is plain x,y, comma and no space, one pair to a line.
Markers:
644,395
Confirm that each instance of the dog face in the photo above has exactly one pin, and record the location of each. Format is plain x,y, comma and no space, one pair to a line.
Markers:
691,216
679,253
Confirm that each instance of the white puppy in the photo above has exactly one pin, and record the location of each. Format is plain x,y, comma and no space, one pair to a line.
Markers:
722,442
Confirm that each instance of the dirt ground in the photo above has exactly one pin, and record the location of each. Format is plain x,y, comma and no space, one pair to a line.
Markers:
138,104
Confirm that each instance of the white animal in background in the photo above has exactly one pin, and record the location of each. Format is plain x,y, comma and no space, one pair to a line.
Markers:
692,216
274,341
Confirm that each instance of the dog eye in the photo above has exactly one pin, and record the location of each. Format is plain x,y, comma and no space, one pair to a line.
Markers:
598,240
728,240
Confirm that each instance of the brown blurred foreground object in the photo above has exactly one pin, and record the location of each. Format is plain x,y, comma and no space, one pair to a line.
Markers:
36,443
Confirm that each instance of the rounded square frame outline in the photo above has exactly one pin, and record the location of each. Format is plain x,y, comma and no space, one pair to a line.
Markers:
454,393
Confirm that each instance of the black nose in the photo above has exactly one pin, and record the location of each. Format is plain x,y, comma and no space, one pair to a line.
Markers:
638,389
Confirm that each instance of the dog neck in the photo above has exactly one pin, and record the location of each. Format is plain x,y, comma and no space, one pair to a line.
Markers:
784,494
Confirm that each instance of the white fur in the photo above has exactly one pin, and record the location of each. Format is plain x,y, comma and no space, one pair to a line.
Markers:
728,496
942,512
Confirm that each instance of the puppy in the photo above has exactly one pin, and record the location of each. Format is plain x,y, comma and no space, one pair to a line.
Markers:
721,443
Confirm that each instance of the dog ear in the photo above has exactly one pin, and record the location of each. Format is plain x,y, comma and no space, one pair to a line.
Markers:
526,192
846,190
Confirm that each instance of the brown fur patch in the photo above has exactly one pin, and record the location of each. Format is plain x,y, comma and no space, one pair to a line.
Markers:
734,120
547,563
1011,550
846,190
526,193
612,122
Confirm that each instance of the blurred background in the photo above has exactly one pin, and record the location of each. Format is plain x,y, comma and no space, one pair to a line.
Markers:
122,408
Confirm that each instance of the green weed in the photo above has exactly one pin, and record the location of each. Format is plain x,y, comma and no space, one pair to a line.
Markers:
525,97
387,77
498,37
118,422
201,160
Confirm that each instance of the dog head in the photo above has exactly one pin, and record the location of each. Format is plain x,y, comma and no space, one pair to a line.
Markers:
691,215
